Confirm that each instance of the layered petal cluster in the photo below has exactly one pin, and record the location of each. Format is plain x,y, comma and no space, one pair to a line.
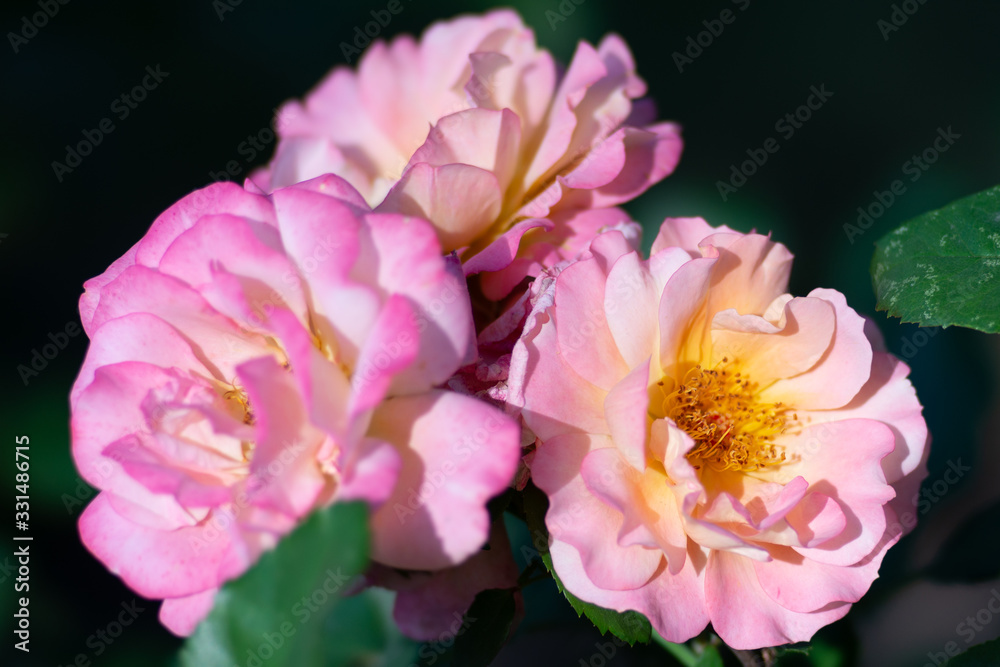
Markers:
713,448
474,128
255,357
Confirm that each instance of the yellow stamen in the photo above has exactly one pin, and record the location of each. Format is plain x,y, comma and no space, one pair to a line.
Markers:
732,430
246,448
238,394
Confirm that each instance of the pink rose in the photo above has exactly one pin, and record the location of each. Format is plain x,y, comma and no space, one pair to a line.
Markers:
255,357
475,129
714,449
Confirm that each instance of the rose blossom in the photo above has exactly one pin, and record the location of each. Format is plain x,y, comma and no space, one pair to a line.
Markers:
476,129
255,357
714,449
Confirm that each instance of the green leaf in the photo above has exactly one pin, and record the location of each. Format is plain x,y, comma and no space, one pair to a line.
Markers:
835,645
794,655
983,655
681,652
361,631
629,626
943,268
487,625
709,657
282,610
972,552
792,650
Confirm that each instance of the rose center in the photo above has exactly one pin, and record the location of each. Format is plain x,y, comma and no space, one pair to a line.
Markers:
732,429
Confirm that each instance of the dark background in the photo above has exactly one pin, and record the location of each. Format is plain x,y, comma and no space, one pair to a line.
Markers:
228,72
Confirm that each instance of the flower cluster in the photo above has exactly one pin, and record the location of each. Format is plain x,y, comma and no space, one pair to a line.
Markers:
429,298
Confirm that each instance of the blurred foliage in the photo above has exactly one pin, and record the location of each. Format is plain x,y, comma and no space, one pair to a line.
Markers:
279,611
972,552
709,658
984,655
627,626
493,611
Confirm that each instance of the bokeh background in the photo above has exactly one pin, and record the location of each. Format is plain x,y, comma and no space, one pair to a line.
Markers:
230,63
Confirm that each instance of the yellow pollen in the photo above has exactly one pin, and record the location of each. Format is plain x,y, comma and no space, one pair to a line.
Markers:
239,395
732,430
246,448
